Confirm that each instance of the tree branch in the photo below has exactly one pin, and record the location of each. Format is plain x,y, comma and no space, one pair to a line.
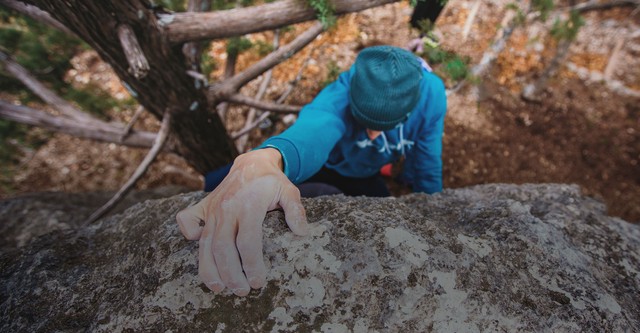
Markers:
193,50
597,77
138,64
188,26
96,130
267,106
232,85
595,5
161,138
499,42
37,14
248,127
229,72
472,16
43,92
241,142
127,129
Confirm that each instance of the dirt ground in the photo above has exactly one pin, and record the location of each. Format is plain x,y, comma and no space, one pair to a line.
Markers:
584,131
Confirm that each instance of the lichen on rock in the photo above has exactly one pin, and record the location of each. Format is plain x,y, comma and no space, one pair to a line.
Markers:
484,258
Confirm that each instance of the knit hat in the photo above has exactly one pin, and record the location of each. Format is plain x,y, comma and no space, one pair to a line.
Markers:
385,87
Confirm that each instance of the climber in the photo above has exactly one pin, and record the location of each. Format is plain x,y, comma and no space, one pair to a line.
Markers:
388,105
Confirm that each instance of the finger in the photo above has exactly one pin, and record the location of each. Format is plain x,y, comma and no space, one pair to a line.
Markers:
294,212
207,270
249,243
225,252
190,220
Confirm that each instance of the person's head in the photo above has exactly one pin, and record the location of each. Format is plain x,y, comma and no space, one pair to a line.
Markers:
385,87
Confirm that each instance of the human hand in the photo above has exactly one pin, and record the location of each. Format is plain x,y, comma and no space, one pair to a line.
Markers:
230,243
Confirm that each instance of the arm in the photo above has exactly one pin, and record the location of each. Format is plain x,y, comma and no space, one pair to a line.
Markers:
428,157
306,145
230,242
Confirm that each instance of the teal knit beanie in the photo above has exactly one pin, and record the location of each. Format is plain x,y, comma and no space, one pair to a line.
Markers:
385,87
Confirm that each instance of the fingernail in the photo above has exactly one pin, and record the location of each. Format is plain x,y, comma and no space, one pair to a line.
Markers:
215,286
240,291
256,282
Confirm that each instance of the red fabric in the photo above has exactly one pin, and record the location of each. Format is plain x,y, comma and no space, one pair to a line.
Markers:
386,170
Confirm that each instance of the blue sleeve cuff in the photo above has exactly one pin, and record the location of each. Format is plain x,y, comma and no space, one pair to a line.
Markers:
290,156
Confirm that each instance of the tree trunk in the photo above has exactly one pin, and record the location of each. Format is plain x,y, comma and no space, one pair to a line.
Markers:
198,134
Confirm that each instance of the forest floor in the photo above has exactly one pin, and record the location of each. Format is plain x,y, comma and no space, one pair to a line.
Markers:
585,130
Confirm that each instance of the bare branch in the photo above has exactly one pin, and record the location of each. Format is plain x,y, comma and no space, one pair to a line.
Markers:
127,129
614,59
293,83
138,64
229,72
43,92
248,127
95,130
241,142
36,14
597,77
230,86
595,5
267,106
161,138
281,99
190,26
499,43
193,50
532,91
469,23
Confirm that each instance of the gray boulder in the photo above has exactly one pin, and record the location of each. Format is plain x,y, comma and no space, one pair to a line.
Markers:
534,258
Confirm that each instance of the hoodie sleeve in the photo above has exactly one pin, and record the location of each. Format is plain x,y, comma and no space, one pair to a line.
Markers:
428,159
306,145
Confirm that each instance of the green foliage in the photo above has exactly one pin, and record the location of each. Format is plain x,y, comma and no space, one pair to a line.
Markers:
263,47
324,11
45,53
456,69
91,99
207,63
567,30
333,71
521,17
174,5
448,64
237,45
436,55
426,26
544,7
222,4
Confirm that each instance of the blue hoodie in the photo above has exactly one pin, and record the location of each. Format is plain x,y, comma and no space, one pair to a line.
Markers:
327,134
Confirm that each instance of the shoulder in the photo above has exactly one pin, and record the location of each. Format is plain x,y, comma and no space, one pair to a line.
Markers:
433,84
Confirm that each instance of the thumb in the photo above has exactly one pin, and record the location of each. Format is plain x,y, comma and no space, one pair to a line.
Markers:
294,212
190,220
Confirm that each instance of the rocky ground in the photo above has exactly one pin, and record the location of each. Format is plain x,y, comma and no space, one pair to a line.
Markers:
489,258
585,130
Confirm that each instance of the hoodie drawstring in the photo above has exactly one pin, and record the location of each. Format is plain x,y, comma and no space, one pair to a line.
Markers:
386,144
400,130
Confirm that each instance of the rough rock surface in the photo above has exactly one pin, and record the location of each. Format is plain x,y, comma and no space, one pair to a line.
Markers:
486,258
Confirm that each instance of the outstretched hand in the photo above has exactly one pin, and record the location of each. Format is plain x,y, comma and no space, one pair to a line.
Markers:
230,242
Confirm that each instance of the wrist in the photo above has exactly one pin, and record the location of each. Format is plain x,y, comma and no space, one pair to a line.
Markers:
264,156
